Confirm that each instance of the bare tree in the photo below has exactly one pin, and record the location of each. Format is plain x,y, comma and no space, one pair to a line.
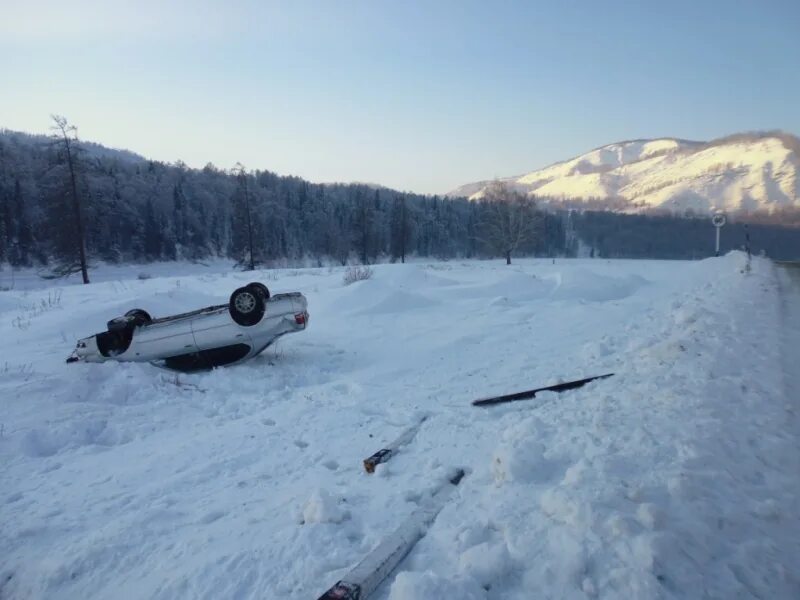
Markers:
65,138
400,229
509,220
241,175
364,224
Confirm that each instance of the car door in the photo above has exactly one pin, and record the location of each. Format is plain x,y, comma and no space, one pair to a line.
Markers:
160,340
218,330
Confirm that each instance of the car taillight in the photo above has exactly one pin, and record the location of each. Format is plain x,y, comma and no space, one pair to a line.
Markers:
301,318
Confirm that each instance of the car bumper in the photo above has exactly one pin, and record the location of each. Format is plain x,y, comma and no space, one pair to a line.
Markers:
86,350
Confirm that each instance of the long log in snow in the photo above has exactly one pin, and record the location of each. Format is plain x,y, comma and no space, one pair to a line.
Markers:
367,575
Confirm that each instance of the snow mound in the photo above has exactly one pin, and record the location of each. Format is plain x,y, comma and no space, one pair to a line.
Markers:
399,301
486,562
39,443
387,293
515,287
418,276
521,457
321,507
584,285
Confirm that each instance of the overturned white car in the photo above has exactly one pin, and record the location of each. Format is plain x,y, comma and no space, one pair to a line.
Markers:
201,339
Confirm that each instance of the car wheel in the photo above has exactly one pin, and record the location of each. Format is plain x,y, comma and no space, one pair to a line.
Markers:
118,324
262,289
246,306
139,317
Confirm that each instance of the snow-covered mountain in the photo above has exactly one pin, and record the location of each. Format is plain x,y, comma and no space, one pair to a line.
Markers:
744,172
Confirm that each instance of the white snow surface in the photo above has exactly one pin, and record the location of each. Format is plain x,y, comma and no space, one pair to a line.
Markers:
676,478
758,173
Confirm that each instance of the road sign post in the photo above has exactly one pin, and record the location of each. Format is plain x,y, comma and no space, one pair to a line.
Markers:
718,220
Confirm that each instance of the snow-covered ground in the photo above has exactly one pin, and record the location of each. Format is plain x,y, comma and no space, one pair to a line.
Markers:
679,477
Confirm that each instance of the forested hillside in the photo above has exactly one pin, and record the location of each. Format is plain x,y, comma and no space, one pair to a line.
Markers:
134,209
140,210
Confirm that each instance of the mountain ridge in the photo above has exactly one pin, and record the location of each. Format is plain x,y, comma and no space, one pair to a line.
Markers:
740,173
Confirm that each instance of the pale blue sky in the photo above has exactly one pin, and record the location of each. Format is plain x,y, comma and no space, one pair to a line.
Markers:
420,96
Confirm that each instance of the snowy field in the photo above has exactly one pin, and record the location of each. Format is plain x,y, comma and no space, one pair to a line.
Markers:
679,477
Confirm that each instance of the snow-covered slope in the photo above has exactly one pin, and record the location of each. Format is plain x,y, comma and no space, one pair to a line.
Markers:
676,478
748,172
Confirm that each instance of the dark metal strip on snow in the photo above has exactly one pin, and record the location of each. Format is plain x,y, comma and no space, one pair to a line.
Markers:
384,454
366,576
528,394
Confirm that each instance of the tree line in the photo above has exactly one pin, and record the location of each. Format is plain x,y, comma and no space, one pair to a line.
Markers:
65,204
601,234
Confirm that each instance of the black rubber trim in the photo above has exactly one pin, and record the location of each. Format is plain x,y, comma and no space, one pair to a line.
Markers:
207,359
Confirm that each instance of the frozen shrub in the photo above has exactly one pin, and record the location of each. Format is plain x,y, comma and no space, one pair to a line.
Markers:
357,273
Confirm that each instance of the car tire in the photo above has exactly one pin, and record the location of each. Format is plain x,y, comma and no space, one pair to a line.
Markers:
262,289
246,306
118,324
139,317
